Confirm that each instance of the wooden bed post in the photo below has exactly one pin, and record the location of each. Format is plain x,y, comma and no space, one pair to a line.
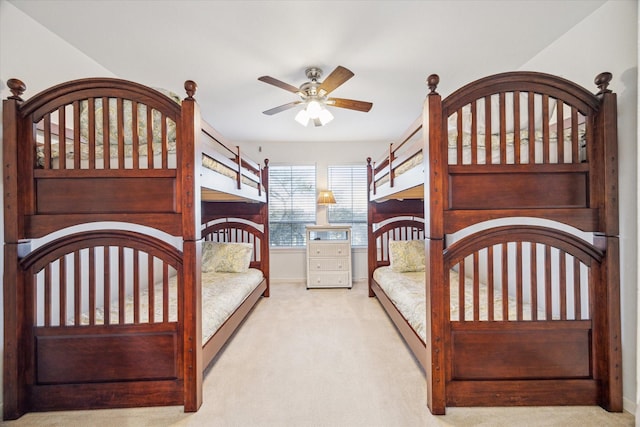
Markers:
434,242
189,182
14,393
13,204
264,213
609,367
14,377
371,244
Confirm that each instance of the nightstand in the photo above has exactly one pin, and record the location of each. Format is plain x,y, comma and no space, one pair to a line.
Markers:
328,256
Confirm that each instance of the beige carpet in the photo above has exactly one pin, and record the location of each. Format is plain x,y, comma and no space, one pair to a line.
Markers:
327,357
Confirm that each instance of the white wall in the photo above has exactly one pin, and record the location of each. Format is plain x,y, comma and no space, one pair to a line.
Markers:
289,264
608,41
40,59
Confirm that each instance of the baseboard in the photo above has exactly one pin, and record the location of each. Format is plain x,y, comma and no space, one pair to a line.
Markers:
629,406
296,281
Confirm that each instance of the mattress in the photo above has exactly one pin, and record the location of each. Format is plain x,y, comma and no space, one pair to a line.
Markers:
407,293
207,161
466,154
222,294
149,146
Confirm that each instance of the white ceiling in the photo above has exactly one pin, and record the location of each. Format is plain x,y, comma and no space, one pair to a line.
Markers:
391,46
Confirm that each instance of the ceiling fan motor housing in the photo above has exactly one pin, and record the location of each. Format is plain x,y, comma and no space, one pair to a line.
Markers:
313,73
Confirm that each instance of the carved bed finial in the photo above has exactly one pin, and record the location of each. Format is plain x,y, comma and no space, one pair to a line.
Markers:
433,81
17,88
190,86
602,80
368,160
266,163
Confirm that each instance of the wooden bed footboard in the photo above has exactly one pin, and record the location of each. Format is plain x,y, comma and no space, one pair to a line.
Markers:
532,315
82,342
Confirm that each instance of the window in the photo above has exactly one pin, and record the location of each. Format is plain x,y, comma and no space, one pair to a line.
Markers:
292,204
349,186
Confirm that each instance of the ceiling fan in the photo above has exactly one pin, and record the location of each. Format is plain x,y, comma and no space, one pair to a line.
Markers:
314,96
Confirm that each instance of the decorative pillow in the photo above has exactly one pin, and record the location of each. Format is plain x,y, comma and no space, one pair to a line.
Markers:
226,257
406,255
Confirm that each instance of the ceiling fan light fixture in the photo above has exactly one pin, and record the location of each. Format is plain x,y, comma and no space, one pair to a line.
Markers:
325,116
303,117
314,108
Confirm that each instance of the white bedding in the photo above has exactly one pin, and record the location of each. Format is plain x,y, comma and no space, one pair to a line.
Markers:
207,161
222,293
407,292
494,155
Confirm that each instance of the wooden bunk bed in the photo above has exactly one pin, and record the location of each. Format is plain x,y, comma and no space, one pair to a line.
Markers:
519,301
111,191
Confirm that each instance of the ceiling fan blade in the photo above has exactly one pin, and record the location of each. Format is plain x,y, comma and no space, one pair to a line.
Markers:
351,104
279,83
335,79
281,108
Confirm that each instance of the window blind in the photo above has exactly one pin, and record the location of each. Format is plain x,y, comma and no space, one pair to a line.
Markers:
349,186
292,204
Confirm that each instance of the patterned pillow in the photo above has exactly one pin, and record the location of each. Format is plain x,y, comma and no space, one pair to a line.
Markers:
226,257
406,255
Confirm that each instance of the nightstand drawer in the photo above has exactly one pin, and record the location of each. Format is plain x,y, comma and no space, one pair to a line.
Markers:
328,249
329,279
328,264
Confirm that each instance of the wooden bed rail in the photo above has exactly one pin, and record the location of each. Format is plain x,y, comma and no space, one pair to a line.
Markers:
397,155
244,168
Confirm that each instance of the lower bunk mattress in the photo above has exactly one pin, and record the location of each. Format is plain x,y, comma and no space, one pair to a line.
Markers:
222,294
407,293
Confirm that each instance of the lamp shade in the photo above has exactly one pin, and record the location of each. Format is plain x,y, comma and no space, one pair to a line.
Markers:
325,197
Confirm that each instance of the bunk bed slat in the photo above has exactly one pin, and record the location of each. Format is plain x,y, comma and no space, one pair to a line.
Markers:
560,129
47,141
91,129
92,286
491,285
149,138
516,125
534,281
76,135
106,141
